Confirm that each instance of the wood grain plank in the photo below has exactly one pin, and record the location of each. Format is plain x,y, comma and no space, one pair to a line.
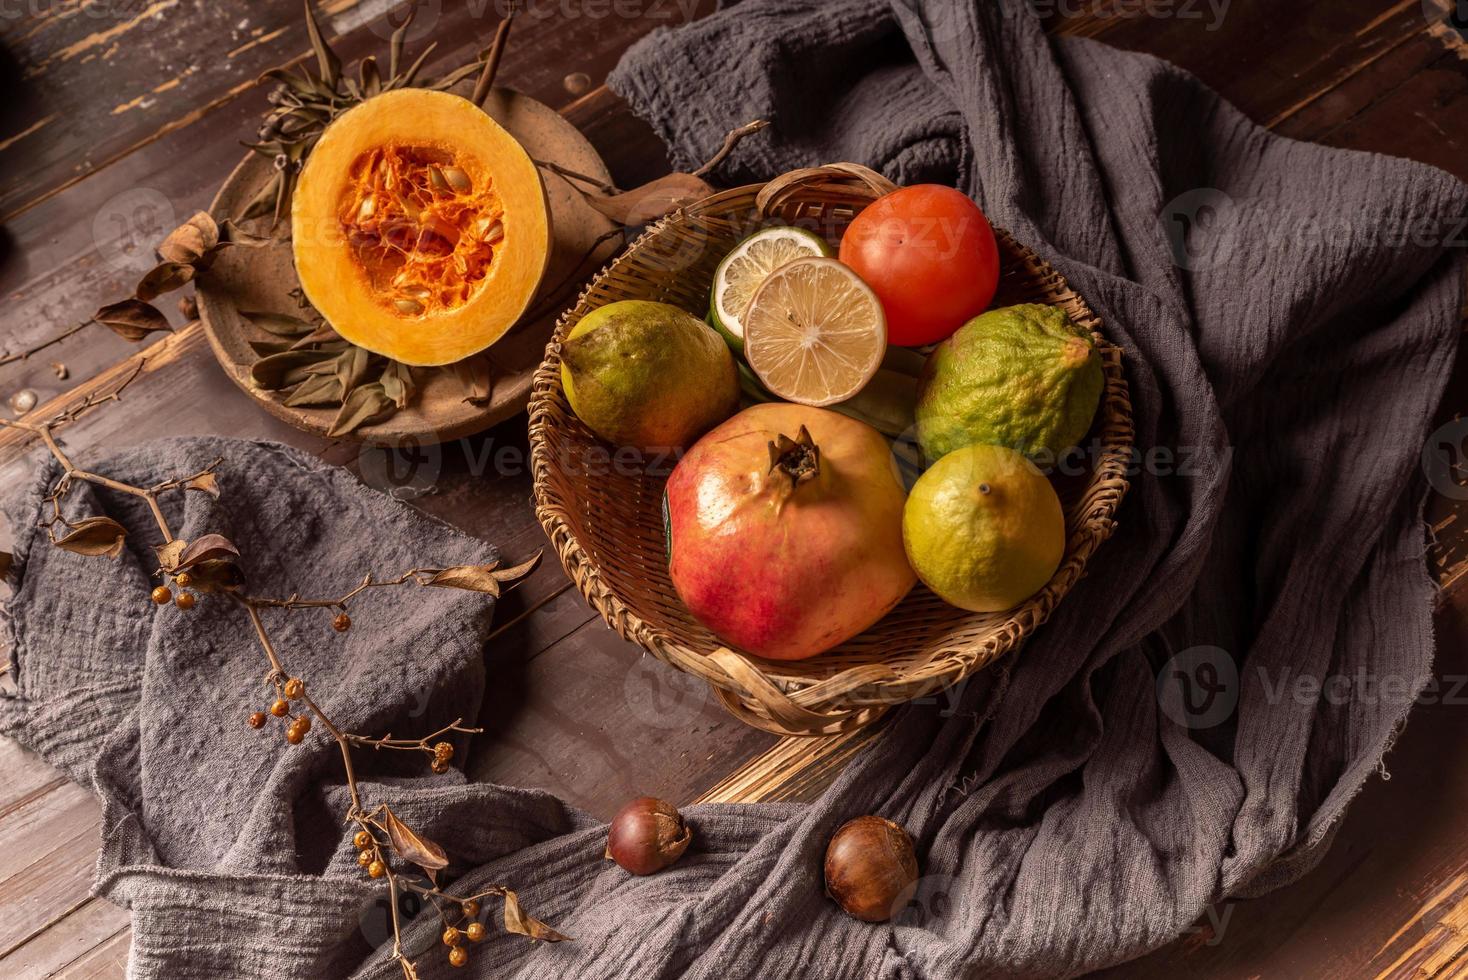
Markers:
159,70
72,941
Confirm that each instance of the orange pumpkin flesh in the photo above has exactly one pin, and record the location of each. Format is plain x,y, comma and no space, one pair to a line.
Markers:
419,227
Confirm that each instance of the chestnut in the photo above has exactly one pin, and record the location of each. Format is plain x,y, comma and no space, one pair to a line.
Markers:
647,835
871,868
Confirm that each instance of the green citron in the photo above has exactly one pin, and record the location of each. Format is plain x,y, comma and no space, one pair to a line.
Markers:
648,375
983,528
1023,376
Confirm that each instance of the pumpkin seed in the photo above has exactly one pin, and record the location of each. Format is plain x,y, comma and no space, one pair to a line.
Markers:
409,307
457,179
493,233
368,208
437,179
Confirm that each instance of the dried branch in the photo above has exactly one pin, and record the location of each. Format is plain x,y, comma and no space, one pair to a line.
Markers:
731,140
492,61
22,355
209,566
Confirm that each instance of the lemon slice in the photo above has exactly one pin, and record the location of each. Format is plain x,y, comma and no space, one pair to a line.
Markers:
742,270
814,332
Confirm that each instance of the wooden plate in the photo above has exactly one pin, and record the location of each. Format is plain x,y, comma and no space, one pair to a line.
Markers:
261,279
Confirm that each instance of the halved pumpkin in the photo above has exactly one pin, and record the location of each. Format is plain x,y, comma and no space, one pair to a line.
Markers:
420,227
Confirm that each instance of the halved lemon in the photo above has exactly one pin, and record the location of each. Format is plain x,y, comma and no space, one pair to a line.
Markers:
741,271
814,332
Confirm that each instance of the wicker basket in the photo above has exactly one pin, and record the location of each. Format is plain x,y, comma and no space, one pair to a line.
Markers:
605,519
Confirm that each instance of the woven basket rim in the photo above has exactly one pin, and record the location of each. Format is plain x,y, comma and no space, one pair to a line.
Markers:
811,697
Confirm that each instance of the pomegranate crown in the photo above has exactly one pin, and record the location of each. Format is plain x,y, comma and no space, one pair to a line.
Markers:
798,458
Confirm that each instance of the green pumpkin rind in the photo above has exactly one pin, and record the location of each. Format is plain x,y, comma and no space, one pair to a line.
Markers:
1022,376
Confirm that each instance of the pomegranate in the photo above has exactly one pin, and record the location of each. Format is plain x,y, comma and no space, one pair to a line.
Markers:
785,530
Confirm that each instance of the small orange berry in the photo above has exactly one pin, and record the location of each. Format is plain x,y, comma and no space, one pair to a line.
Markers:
341,623
184,580
443,750
471,909
294,735
458,956
163,595
364,858
258,719
439,766
185,601
294,688
280,708
475,932
452,936
376,869
362,839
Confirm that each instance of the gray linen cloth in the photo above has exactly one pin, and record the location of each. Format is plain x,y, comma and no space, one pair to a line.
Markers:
1289,315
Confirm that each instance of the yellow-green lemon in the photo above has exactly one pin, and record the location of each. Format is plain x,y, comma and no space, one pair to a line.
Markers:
983,528
1022,376
648,375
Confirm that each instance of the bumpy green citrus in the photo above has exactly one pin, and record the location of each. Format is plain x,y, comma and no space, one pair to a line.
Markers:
648,375
983,528
1023,376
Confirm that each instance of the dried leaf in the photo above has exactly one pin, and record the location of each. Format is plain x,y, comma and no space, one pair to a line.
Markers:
395,46
263,202
319,389
132,319
645,204
279,324
170,553
164,278
211,547
351,367
371,79
7,561
232,234
94,536
218,575
285,369
326,59
516,572
409,845
474,578
363,406
474,374
518,922
303,87
483,578
321,335
189,242
265,348
398,384
204,483
412,73
457,75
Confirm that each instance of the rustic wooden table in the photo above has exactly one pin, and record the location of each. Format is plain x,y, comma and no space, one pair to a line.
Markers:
122,118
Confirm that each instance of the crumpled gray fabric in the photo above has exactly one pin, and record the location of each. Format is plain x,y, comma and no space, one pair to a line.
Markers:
1289,315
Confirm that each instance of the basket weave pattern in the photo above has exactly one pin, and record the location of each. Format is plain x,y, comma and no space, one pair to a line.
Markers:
602,511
